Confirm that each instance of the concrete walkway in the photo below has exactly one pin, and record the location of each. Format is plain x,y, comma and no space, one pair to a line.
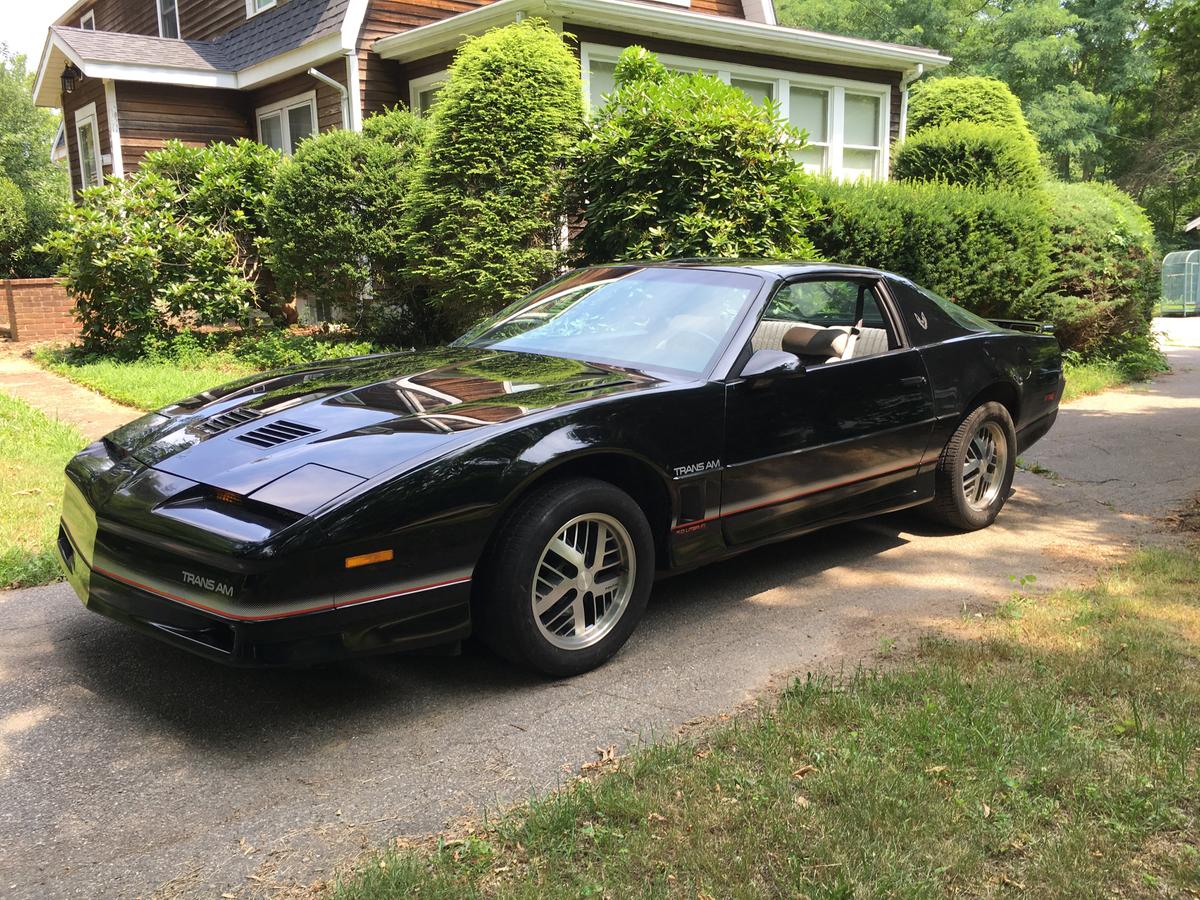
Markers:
94,415
129,768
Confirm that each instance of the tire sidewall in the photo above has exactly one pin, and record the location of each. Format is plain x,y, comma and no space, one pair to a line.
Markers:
535,523
988,412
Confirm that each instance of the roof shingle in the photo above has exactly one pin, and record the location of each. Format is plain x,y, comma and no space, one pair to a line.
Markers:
268,34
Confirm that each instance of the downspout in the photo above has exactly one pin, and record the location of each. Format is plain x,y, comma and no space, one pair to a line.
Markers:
909,77
341,89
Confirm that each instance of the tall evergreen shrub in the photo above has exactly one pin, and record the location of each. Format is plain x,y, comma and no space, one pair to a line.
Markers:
686,165
487,211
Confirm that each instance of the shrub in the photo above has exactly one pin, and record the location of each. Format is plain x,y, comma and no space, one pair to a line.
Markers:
225,186
140,265
685,165
964,98
487,207
986,250
966,153
400,128
337,214
13,227
1105,267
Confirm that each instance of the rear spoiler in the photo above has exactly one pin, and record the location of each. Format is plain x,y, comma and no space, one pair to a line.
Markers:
1021,325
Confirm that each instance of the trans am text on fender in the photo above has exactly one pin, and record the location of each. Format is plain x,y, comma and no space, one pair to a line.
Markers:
528,482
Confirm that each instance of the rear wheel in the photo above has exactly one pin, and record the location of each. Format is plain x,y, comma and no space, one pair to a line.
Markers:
975,470
568,578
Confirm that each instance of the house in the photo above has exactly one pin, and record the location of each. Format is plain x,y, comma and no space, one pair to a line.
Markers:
130,75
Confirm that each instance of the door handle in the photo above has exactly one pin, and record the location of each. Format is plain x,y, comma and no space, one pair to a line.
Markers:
914,381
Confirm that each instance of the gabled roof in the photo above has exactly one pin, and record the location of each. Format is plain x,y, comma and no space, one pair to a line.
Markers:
1195,223
329,27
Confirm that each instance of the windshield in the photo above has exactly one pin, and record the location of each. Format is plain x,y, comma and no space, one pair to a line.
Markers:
640,317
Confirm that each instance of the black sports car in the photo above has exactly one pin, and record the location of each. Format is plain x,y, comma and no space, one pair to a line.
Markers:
528,482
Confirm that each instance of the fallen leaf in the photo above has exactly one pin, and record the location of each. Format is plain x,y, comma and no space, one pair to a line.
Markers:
933,770
802,801
703,754
802,771
987,811
655,817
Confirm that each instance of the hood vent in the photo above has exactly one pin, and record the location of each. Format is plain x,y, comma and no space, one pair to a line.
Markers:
227,420
276,433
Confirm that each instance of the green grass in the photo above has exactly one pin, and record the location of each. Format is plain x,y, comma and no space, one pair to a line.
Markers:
1085,379
145,384
1049,752
33,451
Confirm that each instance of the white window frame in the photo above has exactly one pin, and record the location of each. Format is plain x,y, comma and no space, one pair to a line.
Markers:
283,107
784,82
418,86
253,9
158,5
85,117
87,21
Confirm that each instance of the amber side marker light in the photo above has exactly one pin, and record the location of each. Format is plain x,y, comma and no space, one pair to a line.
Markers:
368,559
227,496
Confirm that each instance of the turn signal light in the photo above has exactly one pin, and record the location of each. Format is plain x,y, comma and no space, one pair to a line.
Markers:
227,496
368,559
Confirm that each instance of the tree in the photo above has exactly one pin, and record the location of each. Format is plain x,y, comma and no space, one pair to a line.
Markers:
26,136
686,165
488,206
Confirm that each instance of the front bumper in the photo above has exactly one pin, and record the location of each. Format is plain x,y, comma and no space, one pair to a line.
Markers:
407,620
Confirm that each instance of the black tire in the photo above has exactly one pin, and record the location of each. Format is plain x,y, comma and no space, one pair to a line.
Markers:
503,603
950,504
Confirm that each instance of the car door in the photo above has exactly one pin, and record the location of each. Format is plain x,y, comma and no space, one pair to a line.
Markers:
845,434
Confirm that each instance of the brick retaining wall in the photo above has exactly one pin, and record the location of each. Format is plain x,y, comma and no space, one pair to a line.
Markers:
38,309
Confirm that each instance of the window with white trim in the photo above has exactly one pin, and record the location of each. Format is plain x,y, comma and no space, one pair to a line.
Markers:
285,124
424,90
846,121
168,18
87,135
254,7
88,20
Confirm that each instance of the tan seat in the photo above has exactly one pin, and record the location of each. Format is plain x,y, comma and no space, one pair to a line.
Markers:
816,346
769,334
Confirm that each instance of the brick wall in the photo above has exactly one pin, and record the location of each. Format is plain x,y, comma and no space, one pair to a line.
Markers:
38,309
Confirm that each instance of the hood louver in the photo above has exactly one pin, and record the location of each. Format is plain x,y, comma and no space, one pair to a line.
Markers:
276,433
227,420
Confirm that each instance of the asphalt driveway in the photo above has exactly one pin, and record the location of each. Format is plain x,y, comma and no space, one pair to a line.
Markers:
128,768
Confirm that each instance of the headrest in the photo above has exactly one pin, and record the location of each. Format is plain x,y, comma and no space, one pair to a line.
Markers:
808,340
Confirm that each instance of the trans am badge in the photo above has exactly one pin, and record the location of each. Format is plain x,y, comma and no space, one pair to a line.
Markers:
209,584
921,320
697,468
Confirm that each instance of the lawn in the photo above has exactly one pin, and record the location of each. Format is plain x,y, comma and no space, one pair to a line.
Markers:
145,384
1085,379
1049,750
33,451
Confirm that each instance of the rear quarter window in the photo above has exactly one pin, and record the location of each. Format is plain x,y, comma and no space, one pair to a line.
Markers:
931,318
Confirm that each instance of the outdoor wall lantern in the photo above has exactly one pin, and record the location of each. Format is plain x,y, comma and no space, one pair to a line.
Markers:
70,75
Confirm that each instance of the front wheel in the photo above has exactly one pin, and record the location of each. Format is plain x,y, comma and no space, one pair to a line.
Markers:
568,577
975,470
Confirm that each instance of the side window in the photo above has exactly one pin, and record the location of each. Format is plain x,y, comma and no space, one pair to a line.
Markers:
823,321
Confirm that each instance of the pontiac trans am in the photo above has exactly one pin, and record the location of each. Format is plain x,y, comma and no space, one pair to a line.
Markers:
529,482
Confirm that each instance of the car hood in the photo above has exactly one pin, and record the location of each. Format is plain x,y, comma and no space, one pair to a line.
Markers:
358,417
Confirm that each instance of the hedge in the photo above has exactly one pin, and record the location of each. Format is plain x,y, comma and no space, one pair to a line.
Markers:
986,250
1105,265
967,153
686,165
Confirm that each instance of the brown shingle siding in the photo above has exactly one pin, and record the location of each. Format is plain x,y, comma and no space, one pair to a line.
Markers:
152,114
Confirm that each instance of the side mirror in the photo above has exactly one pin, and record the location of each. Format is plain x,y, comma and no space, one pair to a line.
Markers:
771,362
